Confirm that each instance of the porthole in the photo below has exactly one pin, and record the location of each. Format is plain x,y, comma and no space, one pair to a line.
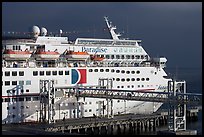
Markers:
138,72
122,71
90,70
133,72
128,72
138,79
147,79
128,79
117,71
132,79
95,70
143,79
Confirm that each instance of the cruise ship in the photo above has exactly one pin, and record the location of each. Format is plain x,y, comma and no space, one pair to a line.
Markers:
116,63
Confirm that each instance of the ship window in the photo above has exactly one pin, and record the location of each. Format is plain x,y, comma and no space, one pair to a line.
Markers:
101,70
128,72
137,57
7,83
122,71
21,99
142,56
21,82
117,79
122,79
112,56
22,90
14,73
21,73
138,86
147,79
35,98
14,82
132,86
66,72
117,71
143,79
117,56
128,79
133,79
138,72
35,73
54,72
122,57
155,73
122,86
89,110
14,99
128,86
48,73
42,73
102,56
112,70
90,70
95,70
7,73
118,86
133,72
60,72
28,98
138,79
142,85
146,56
7,99
133,56
107,56
27,90
85,110
28,82
128,56
107,70
13,116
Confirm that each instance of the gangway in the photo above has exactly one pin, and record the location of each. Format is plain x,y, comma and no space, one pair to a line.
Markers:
175,96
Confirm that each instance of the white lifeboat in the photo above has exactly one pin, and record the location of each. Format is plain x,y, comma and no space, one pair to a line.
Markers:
9,54
77,55
47,55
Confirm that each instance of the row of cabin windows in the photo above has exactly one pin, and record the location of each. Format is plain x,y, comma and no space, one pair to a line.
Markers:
48,73
132,86
13,83
113,70
19,99
125,56
35,73
14,73
132,79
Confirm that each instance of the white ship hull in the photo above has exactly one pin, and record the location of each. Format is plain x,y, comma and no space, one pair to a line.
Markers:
25,111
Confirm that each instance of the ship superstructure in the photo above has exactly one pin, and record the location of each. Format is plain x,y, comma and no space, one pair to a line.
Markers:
80,63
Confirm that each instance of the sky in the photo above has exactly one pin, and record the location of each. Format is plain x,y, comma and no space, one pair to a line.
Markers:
169,29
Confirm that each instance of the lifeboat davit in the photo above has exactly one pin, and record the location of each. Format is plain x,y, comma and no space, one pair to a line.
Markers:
47,55
9,54
77,55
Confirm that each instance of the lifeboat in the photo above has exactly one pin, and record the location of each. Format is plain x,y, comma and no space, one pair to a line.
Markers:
95,58
77,55
47,55
16,55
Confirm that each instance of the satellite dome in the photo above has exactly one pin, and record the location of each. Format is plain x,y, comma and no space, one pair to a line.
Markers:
43,31
36,31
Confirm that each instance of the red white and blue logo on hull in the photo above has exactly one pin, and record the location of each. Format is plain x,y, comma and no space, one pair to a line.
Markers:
78,76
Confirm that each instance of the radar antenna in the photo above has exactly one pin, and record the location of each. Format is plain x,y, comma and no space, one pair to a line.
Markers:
111,29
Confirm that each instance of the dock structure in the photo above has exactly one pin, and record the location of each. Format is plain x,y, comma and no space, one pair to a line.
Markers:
175,117
119,124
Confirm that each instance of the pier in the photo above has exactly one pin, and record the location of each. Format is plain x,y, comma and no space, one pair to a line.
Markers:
119,124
